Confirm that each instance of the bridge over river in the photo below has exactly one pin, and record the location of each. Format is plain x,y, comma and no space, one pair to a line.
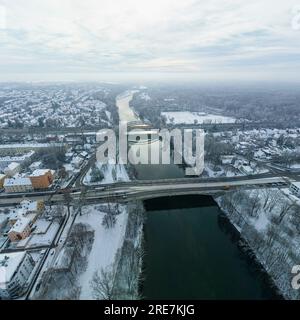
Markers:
141,190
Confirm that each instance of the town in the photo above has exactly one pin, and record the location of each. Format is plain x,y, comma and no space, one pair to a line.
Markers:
61,208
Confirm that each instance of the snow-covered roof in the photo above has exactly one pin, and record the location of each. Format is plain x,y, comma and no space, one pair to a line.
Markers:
29,145
20,225
68,167
19,213
77,160
9,263
17,158
247,169
17,182
29,205
83,153
35,164
39,172
13,166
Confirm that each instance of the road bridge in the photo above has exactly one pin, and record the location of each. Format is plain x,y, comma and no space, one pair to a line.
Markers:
126,191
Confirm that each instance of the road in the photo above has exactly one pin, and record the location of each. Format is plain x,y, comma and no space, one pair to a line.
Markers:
54,244
137,189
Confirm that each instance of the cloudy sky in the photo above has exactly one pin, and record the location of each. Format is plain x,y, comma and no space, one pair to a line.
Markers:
205,39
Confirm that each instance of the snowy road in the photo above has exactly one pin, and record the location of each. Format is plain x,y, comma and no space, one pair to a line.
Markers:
127,190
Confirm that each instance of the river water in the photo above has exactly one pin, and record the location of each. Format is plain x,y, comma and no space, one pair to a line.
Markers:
192,251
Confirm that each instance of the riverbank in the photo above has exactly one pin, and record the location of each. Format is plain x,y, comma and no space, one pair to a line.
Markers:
268,223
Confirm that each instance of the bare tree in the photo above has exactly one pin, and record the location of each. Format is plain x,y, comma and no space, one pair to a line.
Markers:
103,284
275,196
295,219
58,211
82,199
109,220
253,204
267,193
112,210
132,274
286,207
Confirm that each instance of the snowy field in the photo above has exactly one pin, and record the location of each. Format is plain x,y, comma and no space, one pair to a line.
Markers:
105,246
190,118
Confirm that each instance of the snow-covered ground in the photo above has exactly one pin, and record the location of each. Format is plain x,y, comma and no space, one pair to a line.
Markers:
105,246
268,220
111,173
295,166
190,118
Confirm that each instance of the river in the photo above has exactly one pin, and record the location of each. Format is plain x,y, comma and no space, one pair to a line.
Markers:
145,171
192,250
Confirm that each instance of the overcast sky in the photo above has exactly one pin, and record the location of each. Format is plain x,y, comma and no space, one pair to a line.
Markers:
205,39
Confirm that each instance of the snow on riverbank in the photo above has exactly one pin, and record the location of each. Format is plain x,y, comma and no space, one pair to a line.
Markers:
105,246
190,118
269,221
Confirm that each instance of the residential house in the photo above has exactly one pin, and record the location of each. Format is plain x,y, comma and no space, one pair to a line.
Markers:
20,230
15,270
12,169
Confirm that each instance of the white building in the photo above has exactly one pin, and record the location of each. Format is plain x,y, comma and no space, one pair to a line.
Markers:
17,185
30,209
6,160
295,188
15,269
36,165
246,170
12,169
227,159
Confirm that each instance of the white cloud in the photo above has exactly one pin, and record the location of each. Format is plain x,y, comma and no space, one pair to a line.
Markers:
93,36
